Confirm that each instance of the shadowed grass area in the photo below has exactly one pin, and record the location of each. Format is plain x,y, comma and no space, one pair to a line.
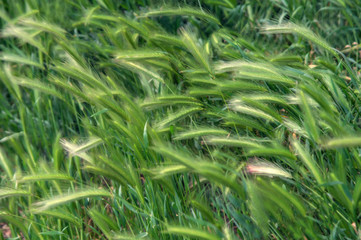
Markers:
180,119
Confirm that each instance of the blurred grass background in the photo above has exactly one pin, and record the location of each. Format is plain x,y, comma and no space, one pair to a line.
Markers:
180,119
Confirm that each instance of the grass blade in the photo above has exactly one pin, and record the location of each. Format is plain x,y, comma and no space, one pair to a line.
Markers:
191,232
66,198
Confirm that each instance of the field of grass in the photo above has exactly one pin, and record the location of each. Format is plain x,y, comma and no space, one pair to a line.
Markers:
189,119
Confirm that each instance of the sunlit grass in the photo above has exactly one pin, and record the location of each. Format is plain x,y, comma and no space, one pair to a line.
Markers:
192,120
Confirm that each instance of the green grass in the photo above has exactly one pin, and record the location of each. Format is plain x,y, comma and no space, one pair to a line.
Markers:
180,119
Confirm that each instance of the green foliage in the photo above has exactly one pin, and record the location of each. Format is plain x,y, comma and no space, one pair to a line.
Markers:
192,120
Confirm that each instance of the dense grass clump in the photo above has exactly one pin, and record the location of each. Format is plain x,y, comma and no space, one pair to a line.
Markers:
180,120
